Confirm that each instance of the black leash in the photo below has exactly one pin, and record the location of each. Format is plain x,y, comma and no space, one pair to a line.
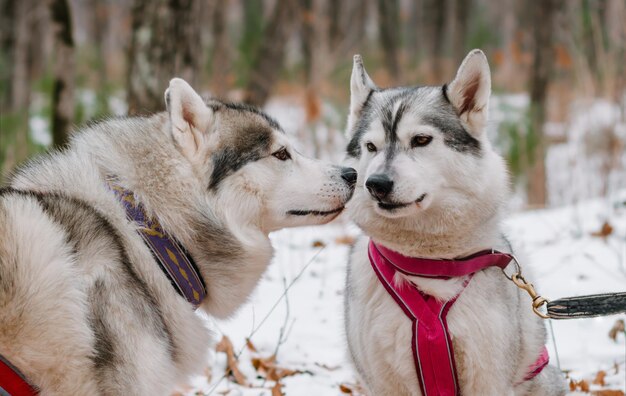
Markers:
569,307
587,306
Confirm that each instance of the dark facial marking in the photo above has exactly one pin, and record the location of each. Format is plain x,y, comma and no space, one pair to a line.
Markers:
444,91
454,135
247,146
360,127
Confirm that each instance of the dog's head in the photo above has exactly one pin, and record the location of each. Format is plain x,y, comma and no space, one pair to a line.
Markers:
248,166
422,155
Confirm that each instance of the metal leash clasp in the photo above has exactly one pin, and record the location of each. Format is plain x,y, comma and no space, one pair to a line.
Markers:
518,279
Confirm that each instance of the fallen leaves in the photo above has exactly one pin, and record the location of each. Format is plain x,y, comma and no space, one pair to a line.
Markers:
599,380
605,230
608,392
351,389
266,367
344,240
618,328
581,385
226,346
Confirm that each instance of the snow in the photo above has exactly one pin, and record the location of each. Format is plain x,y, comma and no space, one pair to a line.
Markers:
559,248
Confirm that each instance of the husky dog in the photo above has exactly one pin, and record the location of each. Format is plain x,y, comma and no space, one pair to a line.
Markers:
84,307
430,185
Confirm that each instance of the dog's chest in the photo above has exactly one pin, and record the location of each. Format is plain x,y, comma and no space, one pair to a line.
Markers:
381,334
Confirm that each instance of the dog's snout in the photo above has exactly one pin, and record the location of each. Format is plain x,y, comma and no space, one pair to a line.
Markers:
349,175
379,185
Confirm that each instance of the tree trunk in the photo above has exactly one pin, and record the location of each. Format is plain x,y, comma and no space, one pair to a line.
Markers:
268,59
433,19
389,22
543,34
63,91
461,23
221,50
165,37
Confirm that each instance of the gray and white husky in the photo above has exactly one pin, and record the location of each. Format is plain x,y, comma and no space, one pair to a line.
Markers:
84,307
430,185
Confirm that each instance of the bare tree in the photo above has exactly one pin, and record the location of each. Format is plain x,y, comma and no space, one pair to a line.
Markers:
221,58
165,37
63,91
461,29
543,63
268,60
433,19
389,22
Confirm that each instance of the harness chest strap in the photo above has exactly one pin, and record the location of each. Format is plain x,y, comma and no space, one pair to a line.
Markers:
431,343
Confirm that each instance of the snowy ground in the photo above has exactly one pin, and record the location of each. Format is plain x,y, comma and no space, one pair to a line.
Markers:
562,252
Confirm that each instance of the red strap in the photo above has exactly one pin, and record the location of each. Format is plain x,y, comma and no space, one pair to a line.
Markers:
12,382
431,344
535,369
443,268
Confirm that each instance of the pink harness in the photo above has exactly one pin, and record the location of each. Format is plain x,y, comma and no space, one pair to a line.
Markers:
431,343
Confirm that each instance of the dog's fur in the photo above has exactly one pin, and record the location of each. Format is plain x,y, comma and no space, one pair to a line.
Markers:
84,308
446,202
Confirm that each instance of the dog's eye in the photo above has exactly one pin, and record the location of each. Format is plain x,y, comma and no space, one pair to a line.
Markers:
370,147
282,154
420,140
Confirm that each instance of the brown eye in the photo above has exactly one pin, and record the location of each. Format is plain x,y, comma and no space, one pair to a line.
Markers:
421,140
282,154
370,147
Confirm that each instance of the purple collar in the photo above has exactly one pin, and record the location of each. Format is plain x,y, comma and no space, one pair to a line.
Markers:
171,256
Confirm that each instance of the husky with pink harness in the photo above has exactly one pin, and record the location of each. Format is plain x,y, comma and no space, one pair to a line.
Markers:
428,310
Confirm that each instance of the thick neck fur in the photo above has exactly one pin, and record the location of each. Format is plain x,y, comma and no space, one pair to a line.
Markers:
141,155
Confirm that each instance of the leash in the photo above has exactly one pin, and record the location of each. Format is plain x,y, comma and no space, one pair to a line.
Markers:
589,306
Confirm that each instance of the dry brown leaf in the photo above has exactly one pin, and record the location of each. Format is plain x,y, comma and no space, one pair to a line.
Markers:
617,328
344,240
318,244
599,380
584,385
345,388
605,231
351,389
608,392
572,385
226,346
277,389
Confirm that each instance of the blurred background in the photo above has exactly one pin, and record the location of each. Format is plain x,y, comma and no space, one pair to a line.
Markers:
557,112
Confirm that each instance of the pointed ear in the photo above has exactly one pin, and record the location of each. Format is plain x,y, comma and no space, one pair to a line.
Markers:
361,86
470,90
190,117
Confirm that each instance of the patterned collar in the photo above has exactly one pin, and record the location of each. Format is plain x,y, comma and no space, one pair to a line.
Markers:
171,256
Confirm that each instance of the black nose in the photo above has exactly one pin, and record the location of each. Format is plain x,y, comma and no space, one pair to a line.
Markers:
349,175
379,185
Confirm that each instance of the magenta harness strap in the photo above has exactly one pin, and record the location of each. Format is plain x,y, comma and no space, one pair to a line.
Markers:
431,343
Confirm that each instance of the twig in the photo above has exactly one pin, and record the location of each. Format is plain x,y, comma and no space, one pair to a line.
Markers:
254,330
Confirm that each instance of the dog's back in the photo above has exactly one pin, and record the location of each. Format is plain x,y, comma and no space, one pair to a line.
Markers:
69,288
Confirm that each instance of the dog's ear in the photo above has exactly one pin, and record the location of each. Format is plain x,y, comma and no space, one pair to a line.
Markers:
469,91
190,118
361,86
